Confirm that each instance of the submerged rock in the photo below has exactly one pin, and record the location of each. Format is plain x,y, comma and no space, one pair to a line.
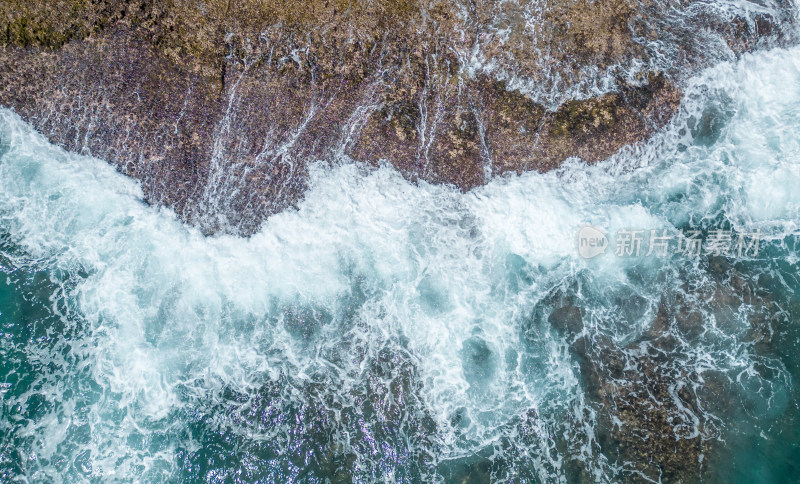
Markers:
220,107
660,404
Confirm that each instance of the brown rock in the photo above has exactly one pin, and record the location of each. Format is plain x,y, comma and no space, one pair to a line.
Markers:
218,107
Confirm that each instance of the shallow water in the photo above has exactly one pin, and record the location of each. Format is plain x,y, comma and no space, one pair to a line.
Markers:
386,331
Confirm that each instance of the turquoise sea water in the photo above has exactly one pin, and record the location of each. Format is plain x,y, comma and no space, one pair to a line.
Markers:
393,332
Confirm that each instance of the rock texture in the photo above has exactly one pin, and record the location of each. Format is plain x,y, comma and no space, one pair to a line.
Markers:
658,405
219,107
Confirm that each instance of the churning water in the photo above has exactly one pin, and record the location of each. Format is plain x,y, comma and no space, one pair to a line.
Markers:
386,331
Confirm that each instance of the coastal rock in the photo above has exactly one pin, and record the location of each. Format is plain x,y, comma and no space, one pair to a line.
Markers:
219,108
658,404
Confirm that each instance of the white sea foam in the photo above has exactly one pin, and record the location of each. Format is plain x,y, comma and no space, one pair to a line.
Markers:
169,310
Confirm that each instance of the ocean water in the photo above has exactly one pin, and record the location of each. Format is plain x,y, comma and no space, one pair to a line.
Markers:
386,331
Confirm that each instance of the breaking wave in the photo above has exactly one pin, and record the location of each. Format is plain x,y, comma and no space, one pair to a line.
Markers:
397,332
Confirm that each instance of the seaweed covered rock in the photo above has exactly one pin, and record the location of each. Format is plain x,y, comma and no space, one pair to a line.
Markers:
220,107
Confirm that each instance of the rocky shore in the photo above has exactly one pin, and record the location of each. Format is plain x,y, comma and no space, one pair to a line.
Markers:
219,107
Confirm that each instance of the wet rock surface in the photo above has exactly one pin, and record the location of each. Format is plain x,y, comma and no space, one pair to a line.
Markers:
660,408
219,108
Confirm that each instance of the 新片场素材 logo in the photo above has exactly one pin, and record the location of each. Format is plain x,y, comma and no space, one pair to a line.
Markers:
592,242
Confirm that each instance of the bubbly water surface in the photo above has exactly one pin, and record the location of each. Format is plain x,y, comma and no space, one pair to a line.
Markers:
386,331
